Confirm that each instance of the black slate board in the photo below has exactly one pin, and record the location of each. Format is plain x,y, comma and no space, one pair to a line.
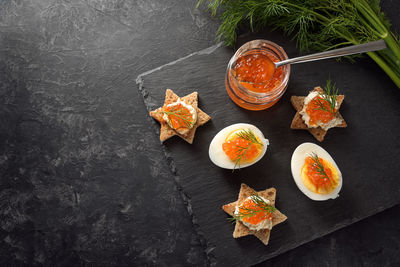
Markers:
367,152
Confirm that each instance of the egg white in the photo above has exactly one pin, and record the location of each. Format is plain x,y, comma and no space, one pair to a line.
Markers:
297,162
218,156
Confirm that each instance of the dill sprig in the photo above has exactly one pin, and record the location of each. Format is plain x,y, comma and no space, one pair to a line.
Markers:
251,138
182,115
319,167
329,94
241,153
315,24
250,212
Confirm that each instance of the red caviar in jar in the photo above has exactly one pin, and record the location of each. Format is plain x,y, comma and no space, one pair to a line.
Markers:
250,79
257,217
257,72
315,176
238,147
316,113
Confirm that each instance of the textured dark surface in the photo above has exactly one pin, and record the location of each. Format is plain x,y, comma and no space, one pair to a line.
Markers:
83,179
369,186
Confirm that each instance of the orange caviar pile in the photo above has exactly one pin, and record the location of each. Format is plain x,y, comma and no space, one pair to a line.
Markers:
315,177
239,147
316,114
179,116
258,216
256,70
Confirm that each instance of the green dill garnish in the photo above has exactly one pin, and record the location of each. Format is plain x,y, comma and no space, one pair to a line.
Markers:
249,212
318,166
181,115
318,25
329,94
251,138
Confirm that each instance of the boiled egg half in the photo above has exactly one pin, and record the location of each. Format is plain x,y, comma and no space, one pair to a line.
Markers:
237,146
315,172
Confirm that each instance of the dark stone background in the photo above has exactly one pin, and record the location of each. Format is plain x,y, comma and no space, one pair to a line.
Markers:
83,178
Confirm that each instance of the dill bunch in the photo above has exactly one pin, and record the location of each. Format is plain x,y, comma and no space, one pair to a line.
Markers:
315,25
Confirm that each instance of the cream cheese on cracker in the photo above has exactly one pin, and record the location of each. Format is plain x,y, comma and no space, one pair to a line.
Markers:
192,111
306,118
265,224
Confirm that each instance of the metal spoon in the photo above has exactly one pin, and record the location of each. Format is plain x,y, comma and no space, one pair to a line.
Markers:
345,51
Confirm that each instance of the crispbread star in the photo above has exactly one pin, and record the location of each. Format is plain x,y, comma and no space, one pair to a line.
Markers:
240,228
166,131
298,122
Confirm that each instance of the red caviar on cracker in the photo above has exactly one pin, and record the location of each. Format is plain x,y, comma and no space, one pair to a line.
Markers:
318,111
179,116
254,213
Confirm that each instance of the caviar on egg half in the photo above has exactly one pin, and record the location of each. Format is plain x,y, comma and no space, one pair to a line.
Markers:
238,146
315,172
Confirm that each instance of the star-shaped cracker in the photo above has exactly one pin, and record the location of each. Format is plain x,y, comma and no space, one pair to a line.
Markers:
166,131
240,228
298,122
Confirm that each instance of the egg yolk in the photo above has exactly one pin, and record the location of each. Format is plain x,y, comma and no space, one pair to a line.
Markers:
179,117
315,180
316,113
258,217
238,148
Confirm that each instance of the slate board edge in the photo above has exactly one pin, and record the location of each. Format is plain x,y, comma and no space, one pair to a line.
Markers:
209,247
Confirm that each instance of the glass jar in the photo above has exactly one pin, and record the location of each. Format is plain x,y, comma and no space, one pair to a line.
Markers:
243,93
